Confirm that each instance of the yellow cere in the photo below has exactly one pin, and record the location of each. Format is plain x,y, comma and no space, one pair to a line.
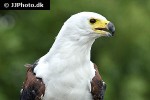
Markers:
99,24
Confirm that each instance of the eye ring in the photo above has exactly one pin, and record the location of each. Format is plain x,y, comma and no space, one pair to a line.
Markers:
92,21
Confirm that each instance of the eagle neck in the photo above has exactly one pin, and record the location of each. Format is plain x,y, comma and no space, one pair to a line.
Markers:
78,50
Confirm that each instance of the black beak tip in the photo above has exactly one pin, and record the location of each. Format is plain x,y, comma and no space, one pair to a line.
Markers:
111,28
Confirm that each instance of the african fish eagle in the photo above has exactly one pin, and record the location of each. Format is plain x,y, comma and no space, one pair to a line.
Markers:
66,71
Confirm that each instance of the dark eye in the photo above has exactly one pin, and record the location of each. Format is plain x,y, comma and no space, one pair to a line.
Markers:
92,21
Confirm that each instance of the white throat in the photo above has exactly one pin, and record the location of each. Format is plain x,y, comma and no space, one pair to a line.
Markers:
71,46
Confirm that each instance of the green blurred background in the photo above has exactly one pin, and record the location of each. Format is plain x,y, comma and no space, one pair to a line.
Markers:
124,60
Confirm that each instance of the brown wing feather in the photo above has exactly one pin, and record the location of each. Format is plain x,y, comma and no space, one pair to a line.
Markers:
98,86
33,87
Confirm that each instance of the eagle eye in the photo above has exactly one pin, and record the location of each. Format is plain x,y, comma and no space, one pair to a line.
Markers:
92,21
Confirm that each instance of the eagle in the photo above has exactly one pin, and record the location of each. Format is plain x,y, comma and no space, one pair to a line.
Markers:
66,72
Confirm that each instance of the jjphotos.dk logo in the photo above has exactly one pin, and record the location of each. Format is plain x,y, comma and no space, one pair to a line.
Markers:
25,5
39,4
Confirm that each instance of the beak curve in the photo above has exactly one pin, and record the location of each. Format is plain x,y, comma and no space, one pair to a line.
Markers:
106,26
111,28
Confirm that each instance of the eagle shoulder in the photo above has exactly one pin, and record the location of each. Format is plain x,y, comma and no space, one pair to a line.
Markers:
98,86
33,88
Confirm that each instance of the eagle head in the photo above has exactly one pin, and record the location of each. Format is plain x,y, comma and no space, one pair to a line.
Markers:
88,24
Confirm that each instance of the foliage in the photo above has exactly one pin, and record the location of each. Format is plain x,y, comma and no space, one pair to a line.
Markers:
124,60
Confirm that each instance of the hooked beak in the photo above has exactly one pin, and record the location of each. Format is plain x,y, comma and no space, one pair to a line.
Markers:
108,28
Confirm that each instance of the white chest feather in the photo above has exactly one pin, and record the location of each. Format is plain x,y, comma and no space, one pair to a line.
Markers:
66,83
